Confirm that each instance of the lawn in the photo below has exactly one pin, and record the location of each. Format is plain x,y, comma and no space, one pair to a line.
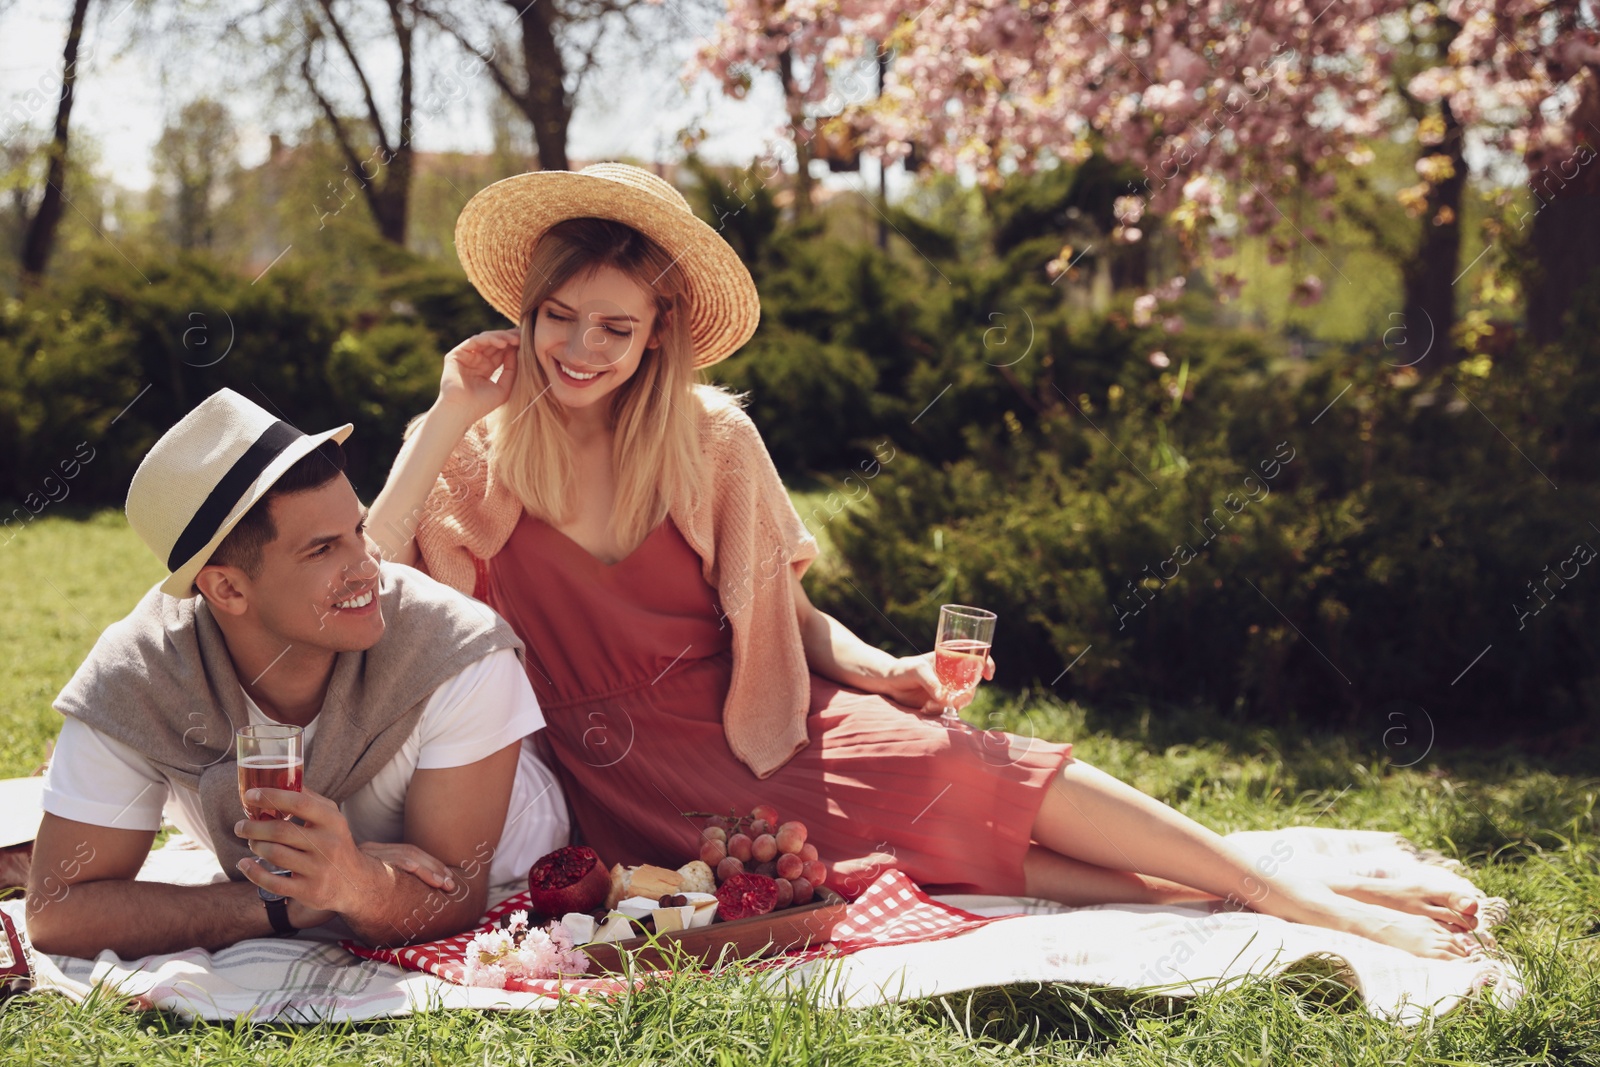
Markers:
1528,829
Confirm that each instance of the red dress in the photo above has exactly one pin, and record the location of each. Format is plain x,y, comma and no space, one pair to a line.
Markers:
631,662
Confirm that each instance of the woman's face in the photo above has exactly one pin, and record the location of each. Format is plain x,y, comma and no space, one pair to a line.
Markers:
590,334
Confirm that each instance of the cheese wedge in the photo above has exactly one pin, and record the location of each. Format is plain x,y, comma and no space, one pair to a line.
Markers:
580,926
637,907
669,920
648,881
705,909
617,927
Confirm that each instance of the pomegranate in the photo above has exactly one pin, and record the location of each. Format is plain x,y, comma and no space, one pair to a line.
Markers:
745,895
567,880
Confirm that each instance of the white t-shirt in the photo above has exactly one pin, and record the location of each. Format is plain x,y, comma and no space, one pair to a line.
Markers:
96,780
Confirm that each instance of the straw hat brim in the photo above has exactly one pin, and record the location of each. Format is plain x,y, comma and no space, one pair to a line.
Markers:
21,809
499,227
181,582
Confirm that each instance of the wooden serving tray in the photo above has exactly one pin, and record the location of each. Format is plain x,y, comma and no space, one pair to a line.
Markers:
760,935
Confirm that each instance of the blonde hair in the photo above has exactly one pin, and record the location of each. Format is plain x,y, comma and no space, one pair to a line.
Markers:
653,415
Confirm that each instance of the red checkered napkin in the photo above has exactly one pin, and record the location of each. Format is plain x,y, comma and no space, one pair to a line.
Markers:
892,911
447,958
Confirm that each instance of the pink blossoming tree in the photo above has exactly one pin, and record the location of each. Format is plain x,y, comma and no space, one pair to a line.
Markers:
1234,116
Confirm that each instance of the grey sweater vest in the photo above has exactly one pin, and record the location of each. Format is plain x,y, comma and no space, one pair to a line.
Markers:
161,681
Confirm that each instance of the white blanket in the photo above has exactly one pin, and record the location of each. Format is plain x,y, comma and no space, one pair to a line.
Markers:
1177,951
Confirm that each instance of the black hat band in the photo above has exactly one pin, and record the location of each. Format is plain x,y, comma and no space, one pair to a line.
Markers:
209,516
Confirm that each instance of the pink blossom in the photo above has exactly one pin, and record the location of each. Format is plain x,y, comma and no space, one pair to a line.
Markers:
495,956
1234,99
487,975
1307,291
1143,307
1171,289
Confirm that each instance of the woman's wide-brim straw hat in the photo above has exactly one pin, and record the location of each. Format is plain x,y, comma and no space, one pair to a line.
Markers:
498,229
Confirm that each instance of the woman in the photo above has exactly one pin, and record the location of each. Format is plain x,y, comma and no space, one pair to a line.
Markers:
630,526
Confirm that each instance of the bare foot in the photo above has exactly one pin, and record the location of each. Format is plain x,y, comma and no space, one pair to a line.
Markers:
1417,935
1317,905
1458,911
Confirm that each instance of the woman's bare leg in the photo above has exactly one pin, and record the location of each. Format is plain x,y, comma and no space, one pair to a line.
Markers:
1052,876
1075,883
1090,816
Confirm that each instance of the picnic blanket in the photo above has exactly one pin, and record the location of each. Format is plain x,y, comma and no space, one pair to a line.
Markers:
899,944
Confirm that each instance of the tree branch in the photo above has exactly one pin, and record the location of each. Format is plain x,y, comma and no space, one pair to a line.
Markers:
351,156
497,72
402,34
366,89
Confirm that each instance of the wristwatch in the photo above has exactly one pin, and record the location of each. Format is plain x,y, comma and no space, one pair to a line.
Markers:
277,913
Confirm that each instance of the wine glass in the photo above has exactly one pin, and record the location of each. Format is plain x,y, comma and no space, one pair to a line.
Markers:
960,652
270,757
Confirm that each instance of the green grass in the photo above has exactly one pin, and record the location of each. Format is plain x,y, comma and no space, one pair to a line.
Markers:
1529,832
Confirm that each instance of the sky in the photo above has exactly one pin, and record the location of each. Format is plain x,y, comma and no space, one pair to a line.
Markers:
126,93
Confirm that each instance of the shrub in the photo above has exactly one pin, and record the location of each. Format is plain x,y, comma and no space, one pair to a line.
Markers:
108,358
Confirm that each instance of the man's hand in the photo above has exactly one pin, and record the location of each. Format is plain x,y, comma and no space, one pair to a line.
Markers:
330,873
434,885
912,681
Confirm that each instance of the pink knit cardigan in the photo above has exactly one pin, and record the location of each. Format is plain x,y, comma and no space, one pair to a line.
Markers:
743,527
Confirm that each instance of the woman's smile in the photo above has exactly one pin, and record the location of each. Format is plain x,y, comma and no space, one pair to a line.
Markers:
574,378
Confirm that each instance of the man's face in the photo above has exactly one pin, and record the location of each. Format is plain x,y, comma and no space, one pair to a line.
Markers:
318,583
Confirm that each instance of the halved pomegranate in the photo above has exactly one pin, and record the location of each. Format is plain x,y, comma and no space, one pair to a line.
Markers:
567,880
745,895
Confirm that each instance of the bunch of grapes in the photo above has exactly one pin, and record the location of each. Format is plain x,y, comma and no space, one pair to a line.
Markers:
758,843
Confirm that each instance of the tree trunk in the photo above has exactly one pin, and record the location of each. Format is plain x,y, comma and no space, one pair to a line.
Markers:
390,202
1430,274
40,239
1565,215
384,177
391,205
545,101
801,134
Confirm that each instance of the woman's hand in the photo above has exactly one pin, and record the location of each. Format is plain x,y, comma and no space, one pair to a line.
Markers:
912,681
413,860
467,386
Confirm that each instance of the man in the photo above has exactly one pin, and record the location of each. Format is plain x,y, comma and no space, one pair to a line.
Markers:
419,791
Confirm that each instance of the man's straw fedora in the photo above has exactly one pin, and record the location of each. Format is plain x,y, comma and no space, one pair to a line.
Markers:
205,473
498,229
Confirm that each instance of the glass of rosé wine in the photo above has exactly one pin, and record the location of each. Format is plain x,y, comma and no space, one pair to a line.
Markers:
959,653
270,757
